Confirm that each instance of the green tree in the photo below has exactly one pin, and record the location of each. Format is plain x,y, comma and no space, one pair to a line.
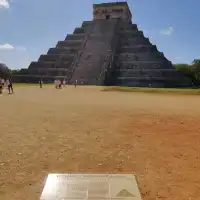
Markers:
184,69
192,71
15,71
196,62
196,69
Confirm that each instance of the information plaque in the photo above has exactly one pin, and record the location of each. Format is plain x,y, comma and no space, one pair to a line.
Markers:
91,187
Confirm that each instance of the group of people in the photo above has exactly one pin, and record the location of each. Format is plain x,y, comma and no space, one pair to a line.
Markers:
6,83
59,83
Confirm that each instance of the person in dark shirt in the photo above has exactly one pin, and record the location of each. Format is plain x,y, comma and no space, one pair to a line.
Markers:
40,82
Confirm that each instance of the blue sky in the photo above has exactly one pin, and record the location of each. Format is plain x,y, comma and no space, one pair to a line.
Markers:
29,28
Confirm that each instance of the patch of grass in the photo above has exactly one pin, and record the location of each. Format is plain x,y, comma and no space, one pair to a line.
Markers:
154,90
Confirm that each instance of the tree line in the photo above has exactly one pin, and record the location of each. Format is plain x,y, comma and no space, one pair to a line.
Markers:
190,70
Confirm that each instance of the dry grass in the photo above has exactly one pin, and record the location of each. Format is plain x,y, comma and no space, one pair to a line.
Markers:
70,130
184,91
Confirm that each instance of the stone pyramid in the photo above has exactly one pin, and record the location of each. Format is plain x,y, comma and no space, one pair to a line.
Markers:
109,50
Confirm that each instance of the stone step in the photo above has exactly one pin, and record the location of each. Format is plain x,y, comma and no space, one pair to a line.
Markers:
69,44
131,34
136,47
148,48
59,51
128,27
145,70
55,58
131,57
140,73
79,30
35,65
161,78
135,43
144,65
48,65
66,51
86,23
75,37
158,53
52,57
142,62
54,69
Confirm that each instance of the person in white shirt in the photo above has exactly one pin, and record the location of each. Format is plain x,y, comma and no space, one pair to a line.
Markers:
9,84
2,82
56,83
64,83
75,83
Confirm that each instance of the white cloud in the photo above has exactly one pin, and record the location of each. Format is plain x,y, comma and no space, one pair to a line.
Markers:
167,31
4,4
8,47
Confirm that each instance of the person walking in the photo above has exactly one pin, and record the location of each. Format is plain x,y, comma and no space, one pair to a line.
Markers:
75,83
10,87
64,83
3,83
1,87
59,84
56,83
40,82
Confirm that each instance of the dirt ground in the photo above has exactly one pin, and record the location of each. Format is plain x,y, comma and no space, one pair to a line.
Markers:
155,136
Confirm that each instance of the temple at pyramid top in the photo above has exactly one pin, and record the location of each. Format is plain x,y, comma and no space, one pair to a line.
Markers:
108,50
112,11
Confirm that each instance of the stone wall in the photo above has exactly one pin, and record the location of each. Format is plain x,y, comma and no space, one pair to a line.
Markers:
112,11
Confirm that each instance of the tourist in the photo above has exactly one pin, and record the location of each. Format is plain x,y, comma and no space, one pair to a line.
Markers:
1,87
75,83
9,84
3,83
64,83
40,82
56,84
59,84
